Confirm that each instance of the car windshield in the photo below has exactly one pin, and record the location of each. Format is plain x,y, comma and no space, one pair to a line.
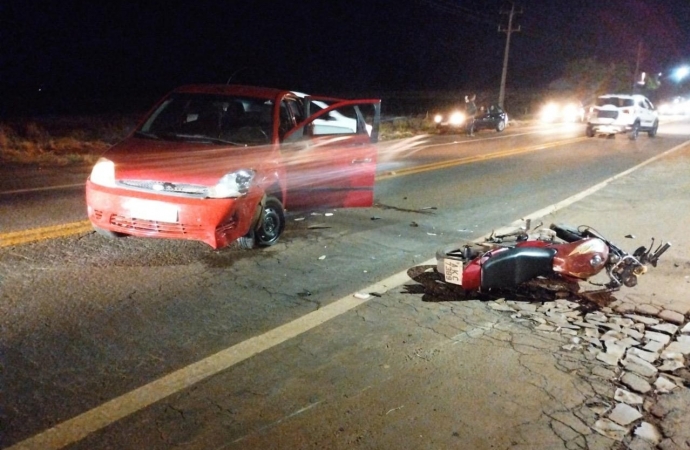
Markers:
215,119
618,102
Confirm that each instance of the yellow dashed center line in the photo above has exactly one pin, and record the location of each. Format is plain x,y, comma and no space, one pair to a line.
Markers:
40,234
474,158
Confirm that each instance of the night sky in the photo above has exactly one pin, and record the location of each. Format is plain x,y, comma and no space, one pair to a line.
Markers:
84,49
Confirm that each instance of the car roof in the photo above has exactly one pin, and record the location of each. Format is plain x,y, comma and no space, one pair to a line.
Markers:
231,89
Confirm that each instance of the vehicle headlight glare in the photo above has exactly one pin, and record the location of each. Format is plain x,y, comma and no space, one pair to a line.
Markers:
457,118
438,118
549,112
234,184
103,173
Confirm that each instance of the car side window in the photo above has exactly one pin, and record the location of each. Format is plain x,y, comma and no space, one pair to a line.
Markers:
338,121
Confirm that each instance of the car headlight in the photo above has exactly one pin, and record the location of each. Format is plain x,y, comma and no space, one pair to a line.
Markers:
457,118
438,118
234,184
103,173
549,112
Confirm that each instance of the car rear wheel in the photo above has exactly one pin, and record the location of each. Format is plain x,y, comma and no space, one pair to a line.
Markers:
652,132
634,132
589,132
501,126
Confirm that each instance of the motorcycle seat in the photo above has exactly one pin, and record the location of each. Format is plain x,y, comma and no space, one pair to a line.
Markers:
511,267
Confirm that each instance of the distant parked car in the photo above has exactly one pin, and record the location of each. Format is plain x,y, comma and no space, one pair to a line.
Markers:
620,113
218,163
492,118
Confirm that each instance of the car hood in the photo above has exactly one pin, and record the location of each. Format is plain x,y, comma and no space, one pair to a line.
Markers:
194,163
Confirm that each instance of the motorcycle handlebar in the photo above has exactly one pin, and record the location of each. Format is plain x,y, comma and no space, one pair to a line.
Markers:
654,257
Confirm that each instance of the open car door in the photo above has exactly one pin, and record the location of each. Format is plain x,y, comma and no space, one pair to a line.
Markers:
330,157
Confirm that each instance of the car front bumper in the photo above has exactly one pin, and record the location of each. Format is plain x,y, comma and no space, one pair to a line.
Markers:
217,222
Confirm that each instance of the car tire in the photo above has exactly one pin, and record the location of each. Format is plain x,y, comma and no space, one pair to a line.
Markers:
589,131
268,228
271,224
107,233
634,132
501,126
652,132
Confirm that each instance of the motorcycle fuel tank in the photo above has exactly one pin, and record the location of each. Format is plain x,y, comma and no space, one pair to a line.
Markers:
581,259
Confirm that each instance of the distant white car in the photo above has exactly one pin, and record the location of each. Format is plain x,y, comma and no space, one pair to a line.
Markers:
619,113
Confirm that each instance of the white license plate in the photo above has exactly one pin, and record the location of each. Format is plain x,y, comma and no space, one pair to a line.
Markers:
150,210
452,268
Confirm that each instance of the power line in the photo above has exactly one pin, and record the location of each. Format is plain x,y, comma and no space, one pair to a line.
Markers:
461,11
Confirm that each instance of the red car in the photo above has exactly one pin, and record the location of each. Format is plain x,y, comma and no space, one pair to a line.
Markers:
218,163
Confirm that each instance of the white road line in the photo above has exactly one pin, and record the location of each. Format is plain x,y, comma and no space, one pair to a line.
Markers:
100,417
91,421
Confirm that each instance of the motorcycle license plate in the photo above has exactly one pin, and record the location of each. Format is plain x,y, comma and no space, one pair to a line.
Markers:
452,269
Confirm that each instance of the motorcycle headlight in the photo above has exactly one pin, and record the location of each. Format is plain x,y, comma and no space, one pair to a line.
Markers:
103,173
234,184
596,261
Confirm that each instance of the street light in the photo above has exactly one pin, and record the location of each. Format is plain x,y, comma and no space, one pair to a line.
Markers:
680,73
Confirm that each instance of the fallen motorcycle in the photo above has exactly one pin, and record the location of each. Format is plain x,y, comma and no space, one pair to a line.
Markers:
545,264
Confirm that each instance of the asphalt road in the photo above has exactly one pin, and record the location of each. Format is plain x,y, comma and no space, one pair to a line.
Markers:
86,320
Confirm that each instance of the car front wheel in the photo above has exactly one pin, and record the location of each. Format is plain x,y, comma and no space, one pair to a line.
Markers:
589,131
268,229
501,126
634,132
271,224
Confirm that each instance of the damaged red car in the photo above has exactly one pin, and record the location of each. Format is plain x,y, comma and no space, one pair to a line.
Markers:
221,163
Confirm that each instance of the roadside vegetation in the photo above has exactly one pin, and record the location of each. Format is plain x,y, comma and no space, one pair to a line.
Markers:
61,141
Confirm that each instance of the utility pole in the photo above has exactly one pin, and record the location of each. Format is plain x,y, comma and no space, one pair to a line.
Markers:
637,66
508,31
